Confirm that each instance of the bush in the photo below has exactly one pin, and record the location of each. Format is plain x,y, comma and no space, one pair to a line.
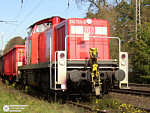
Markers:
145,79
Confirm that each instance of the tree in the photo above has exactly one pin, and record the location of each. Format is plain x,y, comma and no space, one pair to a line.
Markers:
125,20
141,59
146,11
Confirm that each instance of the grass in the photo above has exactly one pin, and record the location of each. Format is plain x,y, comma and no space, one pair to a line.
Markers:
10,96
113,105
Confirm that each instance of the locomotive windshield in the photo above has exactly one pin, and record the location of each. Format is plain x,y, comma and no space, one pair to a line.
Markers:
42,27
38,28
29,31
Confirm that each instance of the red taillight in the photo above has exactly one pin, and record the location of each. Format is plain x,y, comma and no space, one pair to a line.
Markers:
62,55
123,56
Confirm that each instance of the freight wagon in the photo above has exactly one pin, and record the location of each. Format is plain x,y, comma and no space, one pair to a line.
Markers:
10,61
1,65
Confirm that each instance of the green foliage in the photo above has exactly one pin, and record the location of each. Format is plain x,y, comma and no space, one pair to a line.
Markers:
128,108
146,10
116,107
141,51
144,79
114,48
108,103
10,96
125,21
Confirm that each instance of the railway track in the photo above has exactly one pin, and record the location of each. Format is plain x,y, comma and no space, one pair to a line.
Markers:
132,91
139,85
86,107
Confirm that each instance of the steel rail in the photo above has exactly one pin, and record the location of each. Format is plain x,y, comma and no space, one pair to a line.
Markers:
139,85
87,107
132,91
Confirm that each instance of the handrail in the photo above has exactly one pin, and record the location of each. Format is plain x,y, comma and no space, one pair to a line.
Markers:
55,68
102,37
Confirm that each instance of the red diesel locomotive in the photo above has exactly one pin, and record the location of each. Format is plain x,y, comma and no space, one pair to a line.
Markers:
71,56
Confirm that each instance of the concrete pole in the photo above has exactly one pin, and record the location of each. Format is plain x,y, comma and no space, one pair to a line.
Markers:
138,16
136,20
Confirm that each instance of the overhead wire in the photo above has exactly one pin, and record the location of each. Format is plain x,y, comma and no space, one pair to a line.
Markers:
21,10
26,17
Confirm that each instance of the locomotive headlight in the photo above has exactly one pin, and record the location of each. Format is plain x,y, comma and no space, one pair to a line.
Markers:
62,55
89,21
123,56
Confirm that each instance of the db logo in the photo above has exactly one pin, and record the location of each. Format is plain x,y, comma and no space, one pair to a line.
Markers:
6,108
14,108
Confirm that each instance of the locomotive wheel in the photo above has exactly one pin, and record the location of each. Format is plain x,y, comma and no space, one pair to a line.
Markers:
57,97
3,79
105,87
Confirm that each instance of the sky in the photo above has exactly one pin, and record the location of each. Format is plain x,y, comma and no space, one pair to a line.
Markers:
21,16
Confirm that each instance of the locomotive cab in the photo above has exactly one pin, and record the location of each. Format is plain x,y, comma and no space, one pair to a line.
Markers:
76,37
